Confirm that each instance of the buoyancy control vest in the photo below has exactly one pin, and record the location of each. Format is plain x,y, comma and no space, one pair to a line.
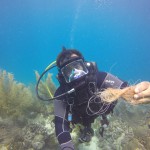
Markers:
78,100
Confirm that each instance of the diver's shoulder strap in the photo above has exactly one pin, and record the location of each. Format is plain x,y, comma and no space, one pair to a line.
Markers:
92,77
111,81
92,67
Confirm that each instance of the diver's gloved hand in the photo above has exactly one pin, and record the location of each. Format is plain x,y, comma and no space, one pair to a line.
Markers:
86,134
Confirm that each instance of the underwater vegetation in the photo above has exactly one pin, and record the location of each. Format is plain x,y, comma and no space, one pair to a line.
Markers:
47,87
17,102
128,129
26,123
15,98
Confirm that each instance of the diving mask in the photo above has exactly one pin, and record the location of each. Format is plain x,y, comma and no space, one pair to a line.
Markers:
74,70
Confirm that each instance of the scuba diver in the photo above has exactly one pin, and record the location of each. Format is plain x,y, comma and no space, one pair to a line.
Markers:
81,80
76,100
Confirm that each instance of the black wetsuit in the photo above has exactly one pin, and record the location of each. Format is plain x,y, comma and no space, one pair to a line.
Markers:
104,80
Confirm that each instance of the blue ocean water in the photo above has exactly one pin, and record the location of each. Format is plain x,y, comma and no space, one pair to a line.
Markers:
113,33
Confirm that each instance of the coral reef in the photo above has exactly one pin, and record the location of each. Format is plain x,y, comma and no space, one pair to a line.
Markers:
115,135
7,131
34,136
26,123
38,134
15,98
128,129
19,102
137,117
